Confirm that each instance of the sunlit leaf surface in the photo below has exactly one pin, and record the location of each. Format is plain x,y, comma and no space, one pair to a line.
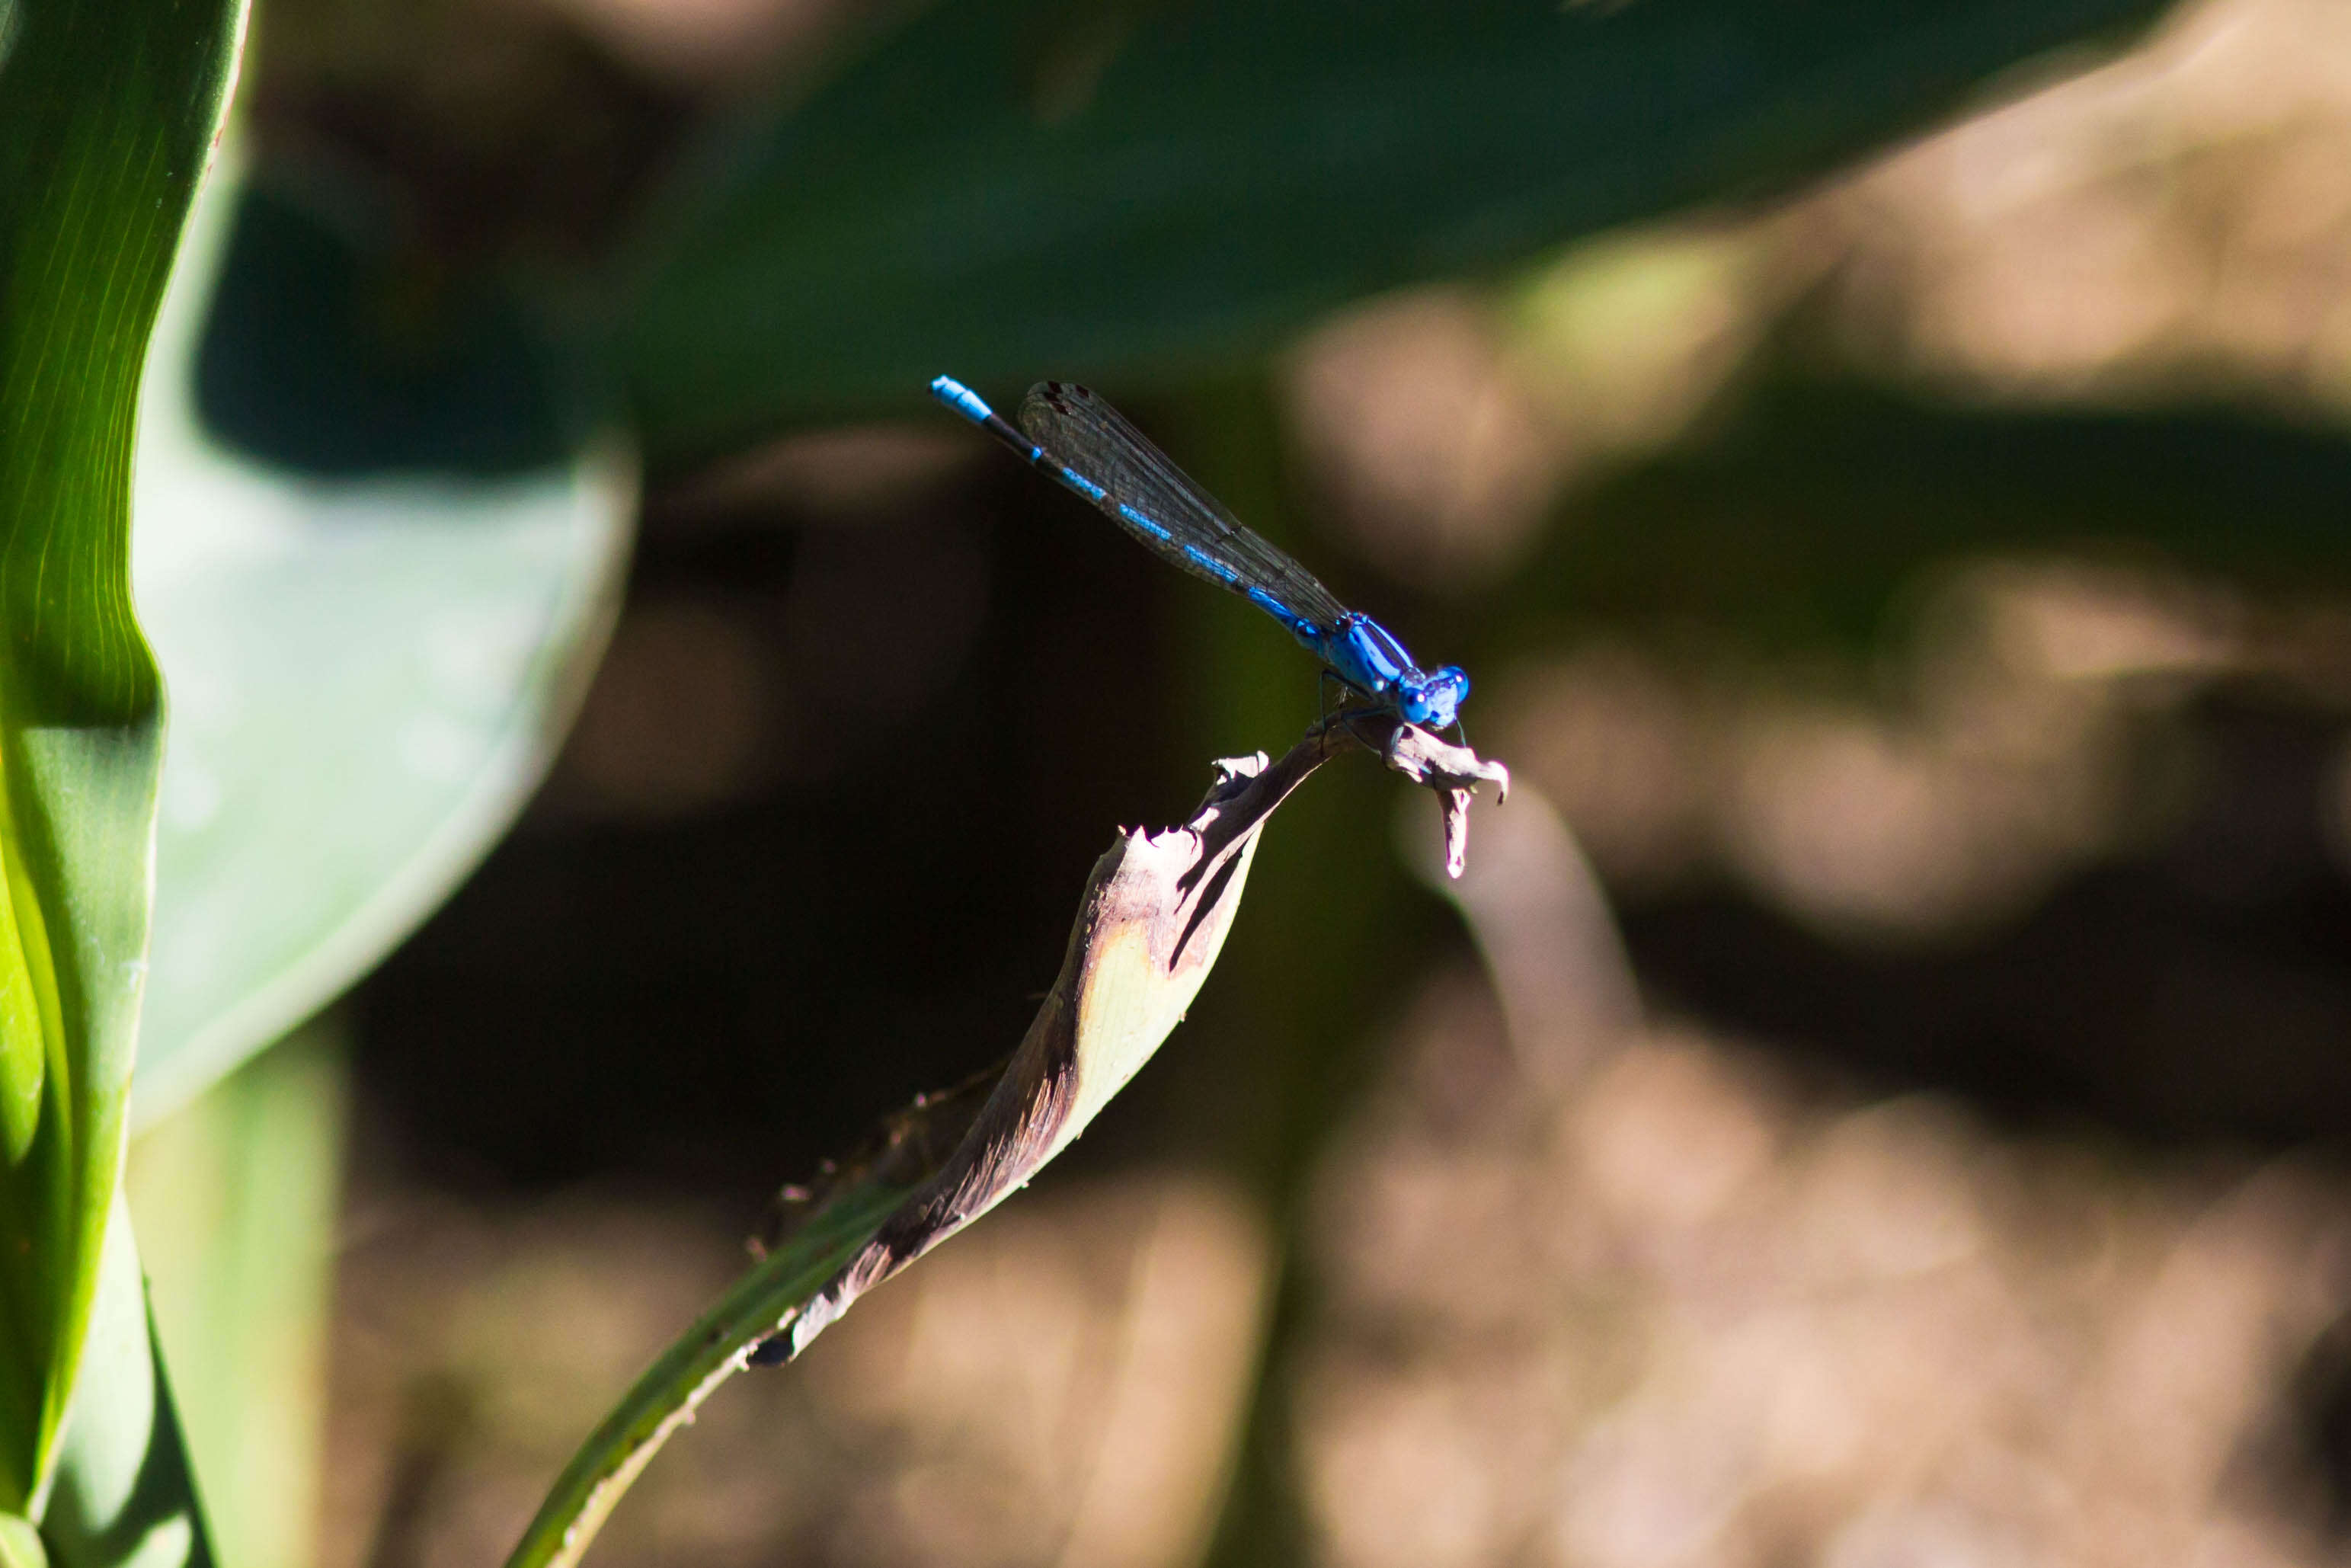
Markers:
107,115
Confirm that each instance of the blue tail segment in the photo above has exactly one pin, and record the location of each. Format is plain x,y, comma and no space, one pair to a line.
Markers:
962,399
1091,448
974,407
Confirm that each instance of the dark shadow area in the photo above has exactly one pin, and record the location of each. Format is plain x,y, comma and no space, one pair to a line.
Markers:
729,997
2315,1446
325,359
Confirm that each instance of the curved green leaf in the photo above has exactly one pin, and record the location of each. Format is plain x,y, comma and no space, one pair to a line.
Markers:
106,114
372,655
1010,184
685,1374
124,1495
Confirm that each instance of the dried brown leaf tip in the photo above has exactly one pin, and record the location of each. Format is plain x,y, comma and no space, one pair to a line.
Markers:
1454,772
1149,927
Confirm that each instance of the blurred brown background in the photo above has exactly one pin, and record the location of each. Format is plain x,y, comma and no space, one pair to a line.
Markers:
1890,1115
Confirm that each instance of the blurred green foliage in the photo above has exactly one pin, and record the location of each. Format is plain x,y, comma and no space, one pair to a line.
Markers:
1816,506
1009,186
238,1200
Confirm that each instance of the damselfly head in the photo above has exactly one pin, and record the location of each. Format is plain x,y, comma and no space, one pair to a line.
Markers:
1434,699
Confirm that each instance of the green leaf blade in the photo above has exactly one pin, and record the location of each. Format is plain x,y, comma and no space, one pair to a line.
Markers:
107,115
1002,187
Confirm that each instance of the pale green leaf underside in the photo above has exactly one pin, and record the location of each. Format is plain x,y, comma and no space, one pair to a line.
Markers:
367,679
